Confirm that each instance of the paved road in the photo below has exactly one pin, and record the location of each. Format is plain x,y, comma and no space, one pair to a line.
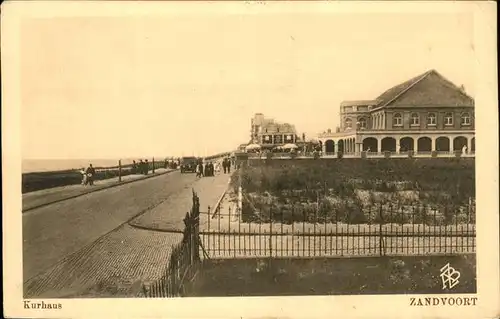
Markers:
52,232
82,247
43,197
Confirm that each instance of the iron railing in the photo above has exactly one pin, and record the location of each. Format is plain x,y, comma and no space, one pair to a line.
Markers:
379,230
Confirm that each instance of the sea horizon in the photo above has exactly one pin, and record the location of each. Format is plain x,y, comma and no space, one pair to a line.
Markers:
49,165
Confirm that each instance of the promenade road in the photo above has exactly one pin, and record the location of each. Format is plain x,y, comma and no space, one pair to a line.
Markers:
83,246
49,196
55,231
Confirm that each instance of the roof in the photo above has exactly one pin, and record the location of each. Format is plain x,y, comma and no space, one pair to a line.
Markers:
359,102
429,88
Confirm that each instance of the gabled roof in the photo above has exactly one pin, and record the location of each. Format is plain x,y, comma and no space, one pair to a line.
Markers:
429,88
359,102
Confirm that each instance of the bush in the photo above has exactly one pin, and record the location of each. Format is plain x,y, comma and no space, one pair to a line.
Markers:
437,181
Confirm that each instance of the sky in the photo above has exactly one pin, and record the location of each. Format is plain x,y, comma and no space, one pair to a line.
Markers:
137,86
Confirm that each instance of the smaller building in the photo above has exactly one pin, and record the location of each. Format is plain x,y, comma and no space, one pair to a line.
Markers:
269,133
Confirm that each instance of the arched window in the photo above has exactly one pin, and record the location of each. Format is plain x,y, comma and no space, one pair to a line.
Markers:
348,123
398,119
431,119
465,119
415,119
448,119
362,123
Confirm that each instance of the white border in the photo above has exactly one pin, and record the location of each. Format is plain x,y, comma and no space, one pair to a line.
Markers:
394,306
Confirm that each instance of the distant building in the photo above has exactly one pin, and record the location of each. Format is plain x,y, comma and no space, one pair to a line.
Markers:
426,113
268,132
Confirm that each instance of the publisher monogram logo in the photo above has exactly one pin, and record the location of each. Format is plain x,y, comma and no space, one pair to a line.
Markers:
449,276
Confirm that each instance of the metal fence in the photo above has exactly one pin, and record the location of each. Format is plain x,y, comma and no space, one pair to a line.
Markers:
383,231
184,261
231,232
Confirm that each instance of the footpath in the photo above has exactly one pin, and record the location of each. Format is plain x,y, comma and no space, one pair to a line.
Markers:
168,216
49,196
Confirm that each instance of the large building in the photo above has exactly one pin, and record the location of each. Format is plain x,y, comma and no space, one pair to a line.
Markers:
269,133
424,114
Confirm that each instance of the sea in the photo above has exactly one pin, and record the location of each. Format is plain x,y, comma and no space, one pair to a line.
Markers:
49,165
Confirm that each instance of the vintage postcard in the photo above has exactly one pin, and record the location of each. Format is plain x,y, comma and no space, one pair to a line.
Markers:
250,159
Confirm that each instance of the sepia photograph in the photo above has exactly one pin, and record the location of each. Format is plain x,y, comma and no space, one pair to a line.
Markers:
168,152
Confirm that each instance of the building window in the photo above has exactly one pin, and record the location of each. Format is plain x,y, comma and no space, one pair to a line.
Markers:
398,119
348,123
362,123
415,119
448,119
465,119
431,119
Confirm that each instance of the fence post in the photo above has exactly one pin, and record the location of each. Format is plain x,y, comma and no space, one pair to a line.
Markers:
270,232
153,165
381,240
119,170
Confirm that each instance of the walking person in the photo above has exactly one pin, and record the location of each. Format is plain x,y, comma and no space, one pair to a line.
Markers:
228,166
84,176
198,171
146,167
90,175
140,167
210,169
134,167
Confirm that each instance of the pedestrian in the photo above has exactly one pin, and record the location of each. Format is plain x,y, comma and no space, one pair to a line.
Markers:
228,166
140,167
90,174
211,168
134,167
84,176
198,170
146,167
